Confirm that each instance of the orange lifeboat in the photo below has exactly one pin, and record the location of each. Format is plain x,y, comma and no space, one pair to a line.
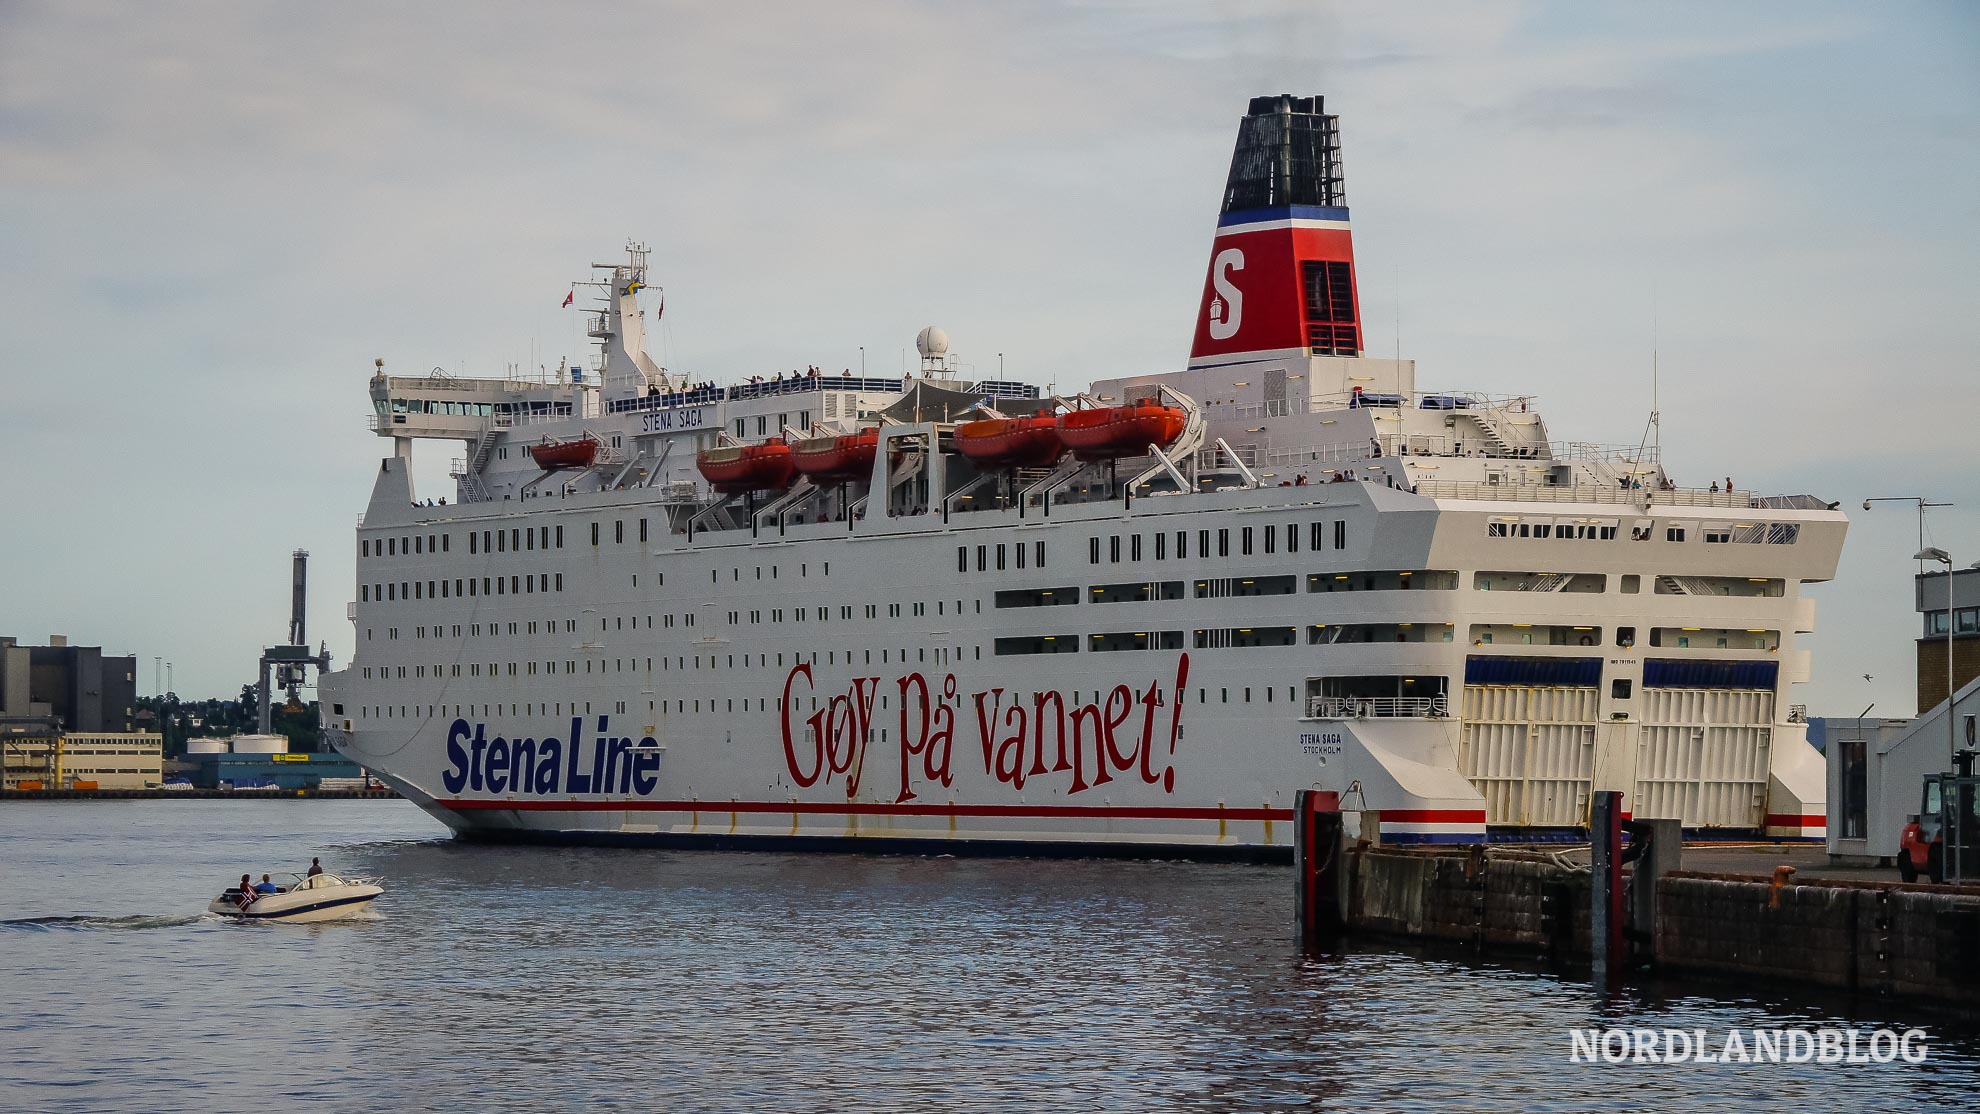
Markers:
552,455
737,468
1011,442
1107,432
837,459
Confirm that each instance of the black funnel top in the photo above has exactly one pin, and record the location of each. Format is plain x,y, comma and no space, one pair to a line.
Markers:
1288,153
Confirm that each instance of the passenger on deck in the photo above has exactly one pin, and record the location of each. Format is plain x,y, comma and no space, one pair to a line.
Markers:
266,887
1715,487
315,868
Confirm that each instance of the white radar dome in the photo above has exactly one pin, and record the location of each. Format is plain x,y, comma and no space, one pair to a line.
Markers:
932,342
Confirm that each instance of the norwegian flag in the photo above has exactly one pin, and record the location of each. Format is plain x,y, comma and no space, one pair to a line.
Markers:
245,898
569,298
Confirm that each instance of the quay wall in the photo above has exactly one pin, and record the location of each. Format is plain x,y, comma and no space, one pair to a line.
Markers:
1910,941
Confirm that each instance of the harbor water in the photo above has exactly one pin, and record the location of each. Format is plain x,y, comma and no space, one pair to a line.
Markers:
496,978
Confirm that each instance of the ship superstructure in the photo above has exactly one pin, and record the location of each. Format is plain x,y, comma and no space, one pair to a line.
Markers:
820,608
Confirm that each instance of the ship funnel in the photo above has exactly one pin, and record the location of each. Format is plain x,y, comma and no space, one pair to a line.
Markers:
1282,266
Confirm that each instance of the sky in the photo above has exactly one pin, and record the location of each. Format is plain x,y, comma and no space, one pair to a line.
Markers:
217,215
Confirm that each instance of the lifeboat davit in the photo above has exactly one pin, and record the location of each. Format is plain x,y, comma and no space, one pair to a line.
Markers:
737,468
553,455
836,459
1107,432
1031,442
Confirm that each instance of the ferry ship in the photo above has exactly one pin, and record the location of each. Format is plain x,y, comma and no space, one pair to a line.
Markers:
828,610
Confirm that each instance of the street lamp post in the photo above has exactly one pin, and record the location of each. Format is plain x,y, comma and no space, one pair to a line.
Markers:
1921,502
1934,553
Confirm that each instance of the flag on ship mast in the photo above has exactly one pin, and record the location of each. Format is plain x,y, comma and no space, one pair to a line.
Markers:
569,298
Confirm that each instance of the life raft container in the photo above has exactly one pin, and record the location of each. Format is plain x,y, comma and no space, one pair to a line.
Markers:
1031,442
737,468
1107,432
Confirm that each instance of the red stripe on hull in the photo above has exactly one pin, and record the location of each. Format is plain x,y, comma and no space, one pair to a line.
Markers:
856,808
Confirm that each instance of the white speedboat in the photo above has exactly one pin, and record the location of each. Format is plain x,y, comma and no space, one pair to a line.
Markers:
318,897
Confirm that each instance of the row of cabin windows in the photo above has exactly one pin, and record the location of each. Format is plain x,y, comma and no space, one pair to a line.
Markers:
1226,586
1752,533
1214,638
1251,540
735,572
1265,693
824,614
1002,556
408,545
520,584
940,655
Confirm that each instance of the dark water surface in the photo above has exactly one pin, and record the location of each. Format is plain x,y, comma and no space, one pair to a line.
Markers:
543,979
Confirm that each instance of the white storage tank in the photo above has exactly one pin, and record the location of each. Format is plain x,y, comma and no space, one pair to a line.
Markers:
261,744
206,746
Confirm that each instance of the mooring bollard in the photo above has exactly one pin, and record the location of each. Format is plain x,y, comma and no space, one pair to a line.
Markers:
1317,847
1605,925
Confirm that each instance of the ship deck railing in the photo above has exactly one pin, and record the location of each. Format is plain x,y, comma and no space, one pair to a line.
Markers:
1591,493
1377,707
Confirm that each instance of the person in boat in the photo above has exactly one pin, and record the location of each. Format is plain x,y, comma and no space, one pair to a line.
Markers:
266,886
315,867
247,884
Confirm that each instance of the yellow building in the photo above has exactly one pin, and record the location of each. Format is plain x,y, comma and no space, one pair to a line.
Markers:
107,760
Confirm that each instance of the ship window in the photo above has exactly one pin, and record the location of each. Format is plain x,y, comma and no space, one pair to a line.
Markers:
1135,640
619,531
962,558
1020,555
1631,583
1619,688
392,547
364,593
1203,543
1292,537
560,537
1161,546
1034,597
1271,540
762,424
982,558
443,542
364,548
1182,545
1315,537
1000,557
1244,541
1136,593
1093,551
1340,534
594,533
515,541
1037,644
1625,636
1224,543
642,529
1114,549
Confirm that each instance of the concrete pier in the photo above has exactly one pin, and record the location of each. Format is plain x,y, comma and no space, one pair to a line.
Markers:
1911,941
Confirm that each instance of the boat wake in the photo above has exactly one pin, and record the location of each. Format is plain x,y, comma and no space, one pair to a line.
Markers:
51,924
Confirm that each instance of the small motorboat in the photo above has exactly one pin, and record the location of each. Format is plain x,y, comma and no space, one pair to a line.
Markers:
552,455
313,897
733,469
1107,432
1031,442
837,459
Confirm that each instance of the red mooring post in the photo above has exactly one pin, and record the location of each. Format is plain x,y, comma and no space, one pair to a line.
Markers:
1317,847
1605,926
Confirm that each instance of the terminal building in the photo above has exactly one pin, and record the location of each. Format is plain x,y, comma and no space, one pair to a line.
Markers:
1877,766
264,762
68,719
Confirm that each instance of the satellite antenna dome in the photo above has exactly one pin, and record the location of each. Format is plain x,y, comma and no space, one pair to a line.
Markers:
932,343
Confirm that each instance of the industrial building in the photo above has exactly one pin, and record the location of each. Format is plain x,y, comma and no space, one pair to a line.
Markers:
264,761
68,719
1877,766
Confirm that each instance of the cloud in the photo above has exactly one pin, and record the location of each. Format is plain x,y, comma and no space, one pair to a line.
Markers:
219,214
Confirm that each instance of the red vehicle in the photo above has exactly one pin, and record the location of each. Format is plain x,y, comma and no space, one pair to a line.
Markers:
1943,839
